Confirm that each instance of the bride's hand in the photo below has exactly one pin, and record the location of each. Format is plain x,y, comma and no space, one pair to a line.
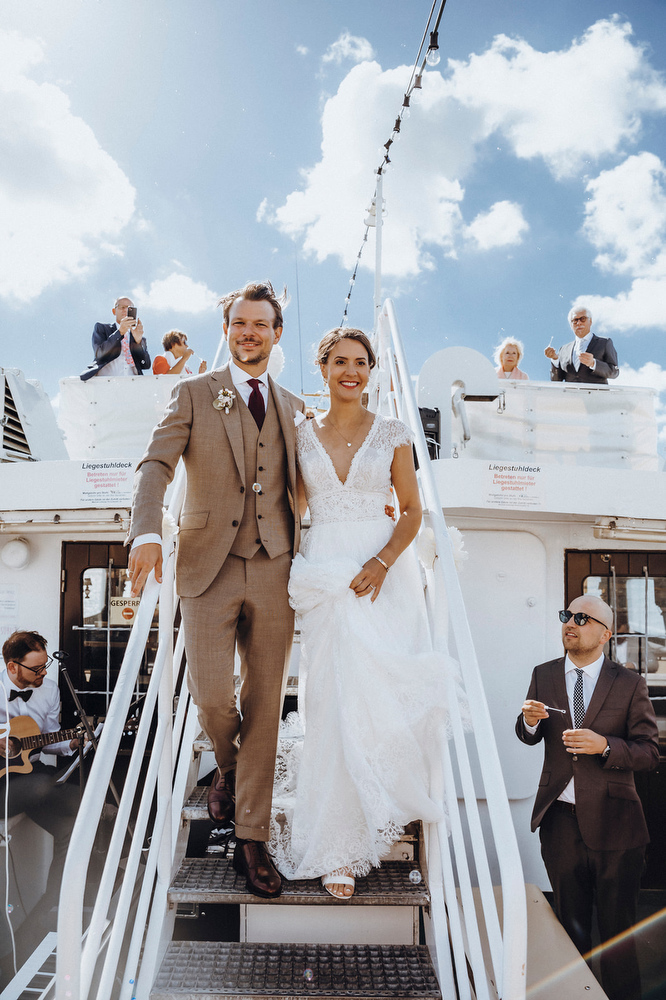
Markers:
369,580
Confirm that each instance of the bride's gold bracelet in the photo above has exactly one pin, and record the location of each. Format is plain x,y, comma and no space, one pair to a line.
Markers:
382,562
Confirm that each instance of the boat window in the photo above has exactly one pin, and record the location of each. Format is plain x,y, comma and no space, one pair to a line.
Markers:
639,603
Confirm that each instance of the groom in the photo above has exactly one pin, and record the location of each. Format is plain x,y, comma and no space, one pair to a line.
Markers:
239,528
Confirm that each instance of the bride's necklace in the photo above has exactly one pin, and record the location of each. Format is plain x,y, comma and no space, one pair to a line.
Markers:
358,427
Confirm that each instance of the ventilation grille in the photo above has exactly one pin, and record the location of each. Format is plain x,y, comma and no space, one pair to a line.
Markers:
15,445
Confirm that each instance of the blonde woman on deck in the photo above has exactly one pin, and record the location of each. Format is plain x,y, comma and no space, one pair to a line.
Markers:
371,688
507,355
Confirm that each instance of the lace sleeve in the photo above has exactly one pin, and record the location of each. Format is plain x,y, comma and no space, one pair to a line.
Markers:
400,434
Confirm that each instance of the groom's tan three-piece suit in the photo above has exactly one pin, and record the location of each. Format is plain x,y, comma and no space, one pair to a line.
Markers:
239,529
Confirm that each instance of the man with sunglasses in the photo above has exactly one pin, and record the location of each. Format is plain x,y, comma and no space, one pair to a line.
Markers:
598,727
28,691
587,358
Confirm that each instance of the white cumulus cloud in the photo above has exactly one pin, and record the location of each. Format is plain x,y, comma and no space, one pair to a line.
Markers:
177,293
625,216
625,221
567,107
63,200
422,190
348,47
502,225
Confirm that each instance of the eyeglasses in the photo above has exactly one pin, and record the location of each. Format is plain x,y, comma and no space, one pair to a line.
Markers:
37,670
579,618
580,319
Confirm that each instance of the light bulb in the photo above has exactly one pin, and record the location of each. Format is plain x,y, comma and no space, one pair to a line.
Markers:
432,55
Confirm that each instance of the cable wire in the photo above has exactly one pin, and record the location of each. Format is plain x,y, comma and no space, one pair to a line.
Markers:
414,83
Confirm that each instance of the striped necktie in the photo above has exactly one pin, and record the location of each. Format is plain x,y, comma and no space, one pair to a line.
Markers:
578,700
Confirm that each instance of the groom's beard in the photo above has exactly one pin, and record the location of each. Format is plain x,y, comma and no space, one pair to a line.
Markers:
238,354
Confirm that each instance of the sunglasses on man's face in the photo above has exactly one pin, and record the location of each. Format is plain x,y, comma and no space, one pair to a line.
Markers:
579,618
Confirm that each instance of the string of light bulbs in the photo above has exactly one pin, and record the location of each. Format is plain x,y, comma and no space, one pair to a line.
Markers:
431,58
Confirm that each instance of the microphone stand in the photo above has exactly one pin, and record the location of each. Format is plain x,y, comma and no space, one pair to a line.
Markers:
61,655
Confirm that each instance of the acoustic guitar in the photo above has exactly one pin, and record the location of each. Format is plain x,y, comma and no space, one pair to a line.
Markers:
24,737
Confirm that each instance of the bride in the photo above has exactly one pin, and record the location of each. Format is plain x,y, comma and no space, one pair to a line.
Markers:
371,689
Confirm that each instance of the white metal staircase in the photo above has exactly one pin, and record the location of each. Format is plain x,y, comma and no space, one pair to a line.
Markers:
454,942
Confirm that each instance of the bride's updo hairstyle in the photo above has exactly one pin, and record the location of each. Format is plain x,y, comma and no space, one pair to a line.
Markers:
333,337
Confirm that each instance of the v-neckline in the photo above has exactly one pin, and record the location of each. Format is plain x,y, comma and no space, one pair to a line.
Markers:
343,482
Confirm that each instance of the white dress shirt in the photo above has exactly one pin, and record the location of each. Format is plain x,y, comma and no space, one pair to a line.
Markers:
240,380
43,706
580,345
590,677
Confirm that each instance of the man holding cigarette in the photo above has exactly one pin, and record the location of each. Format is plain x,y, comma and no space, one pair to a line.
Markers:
591,824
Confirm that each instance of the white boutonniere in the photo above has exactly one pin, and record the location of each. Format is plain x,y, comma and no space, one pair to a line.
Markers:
225,400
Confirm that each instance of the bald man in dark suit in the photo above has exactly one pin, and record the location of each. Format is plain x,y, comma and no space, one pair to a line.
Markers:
590,819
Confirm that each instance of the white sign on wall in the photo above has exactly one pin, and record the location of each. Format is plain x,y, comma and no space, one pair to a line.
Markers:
8,611
106,483
514,485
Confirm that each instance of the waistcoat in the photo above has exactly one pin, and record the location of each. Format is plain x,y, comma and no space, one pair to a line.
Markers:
267,518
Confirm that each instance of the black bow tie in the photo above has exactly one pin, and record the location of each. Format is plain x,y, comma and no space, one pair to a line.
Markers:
26,695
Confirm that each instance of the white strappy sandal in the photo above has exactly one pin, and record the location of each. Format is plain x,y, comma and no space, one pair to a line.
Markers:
340,876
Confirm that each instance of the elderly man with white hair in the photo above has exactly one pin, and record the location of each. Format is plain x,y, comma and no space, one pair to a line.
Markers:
587,358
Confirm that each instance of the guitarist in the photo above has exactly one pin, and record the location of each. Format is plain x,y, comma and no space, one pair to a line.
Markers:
53,807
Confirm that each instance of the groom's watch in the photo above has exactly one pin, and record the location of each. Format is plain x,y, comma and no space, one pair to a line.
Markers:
604,753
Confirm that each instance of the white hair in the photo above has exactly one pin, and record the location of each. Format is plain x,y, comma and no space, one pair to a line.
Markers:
518,344
578,309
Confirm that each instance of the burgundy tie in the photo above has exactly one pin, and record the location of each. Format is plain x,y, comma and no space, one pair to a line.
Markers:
256,402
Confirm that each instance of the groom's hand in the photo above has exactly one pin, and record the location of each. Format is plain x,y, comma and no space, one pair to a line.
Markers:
143,559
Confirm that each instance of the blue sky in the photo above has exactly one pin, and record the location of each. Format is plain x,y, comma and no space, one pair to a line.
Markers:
173,149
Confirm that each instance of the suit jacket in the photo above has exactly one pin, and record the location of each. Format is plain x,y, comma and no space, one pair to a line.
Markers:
606,356
211,444
609,812
106,342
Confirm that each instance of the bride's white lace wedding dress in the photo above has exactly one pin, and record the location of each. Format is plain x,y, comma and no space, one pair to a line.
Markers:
355,765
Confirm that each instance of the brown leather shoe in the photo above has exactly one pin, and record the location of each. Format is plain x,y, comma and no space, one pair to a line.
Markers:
222,798
253,860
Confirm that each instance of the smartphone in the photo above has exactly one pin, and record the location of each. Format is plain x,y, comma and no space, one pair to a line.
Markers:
131,312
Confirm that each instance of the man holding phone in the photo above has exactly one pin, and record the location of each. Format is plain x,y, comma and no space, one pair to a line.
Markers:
120,347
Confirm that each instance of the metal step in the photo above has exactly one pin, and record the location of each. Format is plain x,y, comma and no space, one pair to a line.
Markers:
213,880
203,970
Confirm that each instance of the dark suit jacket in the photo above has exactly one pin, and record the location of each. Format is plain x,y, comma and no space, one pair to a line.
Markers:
106,341
211,444
609,812
606,367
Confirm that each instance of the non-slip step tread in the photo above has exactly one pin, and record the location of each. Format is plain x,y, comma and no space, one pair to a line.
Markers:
201,970
214,880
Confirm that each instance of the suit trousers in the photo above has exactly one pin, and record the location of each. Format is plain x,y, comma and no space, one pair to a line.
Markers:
580,877
247,606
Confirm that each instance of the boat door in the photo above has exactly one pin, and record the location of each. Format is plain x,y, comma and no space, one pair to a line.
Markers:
96,614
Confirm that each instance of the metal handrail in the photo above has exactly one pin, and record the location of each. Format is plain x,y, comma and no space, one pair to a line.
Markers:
507,942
